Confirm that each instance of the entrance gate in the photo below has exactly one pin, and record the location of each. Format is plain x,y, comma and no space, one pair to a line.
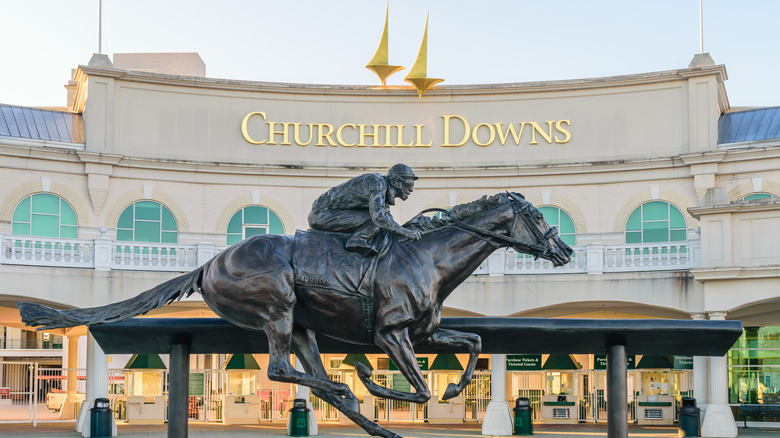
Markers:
477,395
33,394
396,410
592,400
529,384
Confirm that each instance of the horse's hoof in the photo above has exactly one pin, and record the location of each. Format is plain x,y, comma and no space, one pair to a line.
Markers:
362,370
452,391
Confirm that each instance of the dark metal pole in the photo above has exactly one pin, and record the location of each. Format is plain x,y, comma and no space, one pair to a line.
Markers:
178,390
617,407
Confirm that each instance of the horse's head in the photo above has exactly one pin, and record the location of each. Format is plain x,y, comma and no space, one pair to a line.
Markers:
531,234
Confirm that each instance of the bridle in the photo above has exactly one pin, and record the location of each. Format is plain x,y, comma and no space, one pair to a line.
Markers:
522,209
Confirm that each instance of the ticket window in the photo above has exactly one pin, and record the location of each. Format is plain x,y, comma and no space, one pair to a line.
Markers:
655,383
442,380
147,383
561,383
242,382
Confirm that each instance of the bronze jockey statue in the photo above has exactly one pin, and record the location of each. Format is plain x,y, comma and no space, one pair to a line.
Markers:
361,206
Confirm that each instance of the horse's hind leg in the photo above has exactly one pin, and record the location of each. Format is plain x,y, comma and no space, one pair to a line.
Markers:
306,350
279,333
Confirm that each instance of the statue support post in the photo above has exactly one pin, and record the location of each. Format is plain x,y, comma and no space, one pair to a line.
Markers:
498,417
617,407
179,390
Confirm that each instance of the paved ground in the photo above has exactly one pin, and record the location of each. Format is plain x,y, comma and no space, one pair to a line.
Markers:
335,431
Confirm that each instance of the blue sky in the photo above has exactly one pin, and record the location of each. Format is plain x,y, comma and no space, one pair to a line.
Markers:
330,42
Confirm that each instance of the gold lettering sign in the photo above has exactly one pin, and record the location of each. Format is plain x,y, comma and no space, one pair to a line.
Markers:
455,131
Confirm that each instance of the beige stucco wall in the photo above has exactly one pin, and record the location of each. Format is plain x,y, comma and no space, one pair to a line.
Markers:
634,139
607,119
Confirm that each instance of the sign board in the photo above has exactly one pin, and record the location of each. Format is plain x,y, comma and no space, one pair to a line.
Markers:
683,362
5,391
422,362
600,362
523,362
401,384
197,383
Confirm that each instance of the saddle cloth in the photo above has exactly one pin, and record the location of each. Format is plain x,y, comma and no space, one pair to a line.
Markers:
320,261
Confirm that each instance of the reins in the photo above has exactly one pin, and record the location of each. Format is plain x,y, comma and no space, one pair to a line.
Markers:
539,249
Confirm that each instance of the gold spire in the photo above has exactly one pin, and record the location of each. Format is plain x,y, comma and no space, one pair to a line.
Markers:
378,63
418,75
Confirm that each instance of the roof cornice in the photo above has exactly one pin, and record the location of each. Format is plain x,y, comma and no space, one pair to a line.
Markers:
719,71
771,204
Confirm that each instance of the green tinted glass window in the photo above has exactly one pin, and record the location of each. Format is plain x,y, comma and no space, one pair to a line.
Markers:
656,222
755,196
45,203
147,211
21,229
67,215
556,217
44,215
147,221
234,226
255,215
251,221
168,222
22,212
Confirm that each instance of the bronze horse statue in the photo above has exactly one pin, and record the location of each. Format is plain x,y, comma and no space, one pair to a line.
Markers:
293,286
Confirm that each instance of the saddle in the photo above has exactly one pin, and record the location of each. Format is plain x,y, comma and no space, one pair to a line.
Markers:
320,260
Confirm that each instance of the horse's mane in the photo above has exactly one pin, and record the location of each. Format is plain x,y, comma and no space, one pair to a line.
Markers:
460,212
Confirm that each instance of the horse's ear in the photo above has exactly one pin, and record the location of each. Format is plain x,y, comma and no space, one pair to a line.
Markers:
516,196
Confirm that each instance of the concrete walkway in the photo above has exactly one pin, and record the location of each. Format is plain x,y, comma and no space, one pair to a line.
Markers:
336,431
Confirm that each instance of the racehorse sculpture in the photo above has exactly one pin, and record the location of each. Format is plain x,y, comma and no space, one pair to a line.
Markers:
293,286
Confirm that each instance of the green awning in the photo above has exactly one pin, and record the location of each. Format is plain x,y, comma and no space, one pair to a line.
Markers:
649,361
352,358
145,362
240,362
446,362
561,362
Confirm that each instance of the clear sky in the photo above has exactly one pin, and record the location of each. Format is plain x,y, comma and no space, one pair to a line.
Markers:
329,42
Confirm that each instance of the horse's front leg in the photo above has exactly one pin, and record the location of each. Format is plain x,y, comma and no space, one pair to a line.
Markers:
452,338
400,349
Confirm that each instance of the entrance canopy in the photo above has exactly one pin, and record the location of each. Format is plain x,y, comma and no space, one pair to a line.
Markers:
499,335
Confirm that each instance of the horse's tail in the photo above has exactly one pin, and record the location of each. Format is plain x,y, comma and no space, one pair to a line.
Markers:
160,295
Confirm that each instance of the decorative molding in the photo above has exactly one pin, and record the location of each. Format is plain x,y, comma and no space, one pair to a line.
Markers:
748,188
679,75
30,188
674,198
123,201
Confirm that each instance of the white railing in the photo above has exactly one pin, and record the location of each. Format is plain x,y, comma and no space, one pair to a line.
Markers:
652,256
106,254
154,256
598,259
44,251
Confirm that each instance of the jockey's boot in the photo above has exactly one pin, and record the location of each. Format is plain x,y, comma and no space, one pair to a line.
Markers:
361,240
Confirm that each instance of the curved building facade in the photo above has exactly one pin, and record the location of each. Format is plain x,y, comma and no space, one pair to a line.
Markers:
666,194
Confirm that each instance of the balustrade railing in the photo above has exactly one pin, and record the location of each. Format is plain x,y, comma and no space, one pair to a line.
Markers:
597,259
105,254
154,257
45,251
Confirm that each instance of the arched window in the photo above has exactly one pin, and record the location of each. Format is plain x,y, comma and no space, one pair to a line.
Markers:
656,221
147,221
755,196
559,218
44,215
251,221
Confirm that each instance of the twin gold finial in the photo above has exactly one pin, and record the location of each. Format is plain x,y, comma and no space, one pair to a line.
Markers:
417,75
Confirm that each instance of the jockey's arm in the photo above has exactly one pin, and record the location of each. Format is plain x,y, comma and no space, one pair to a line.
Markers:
382,218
